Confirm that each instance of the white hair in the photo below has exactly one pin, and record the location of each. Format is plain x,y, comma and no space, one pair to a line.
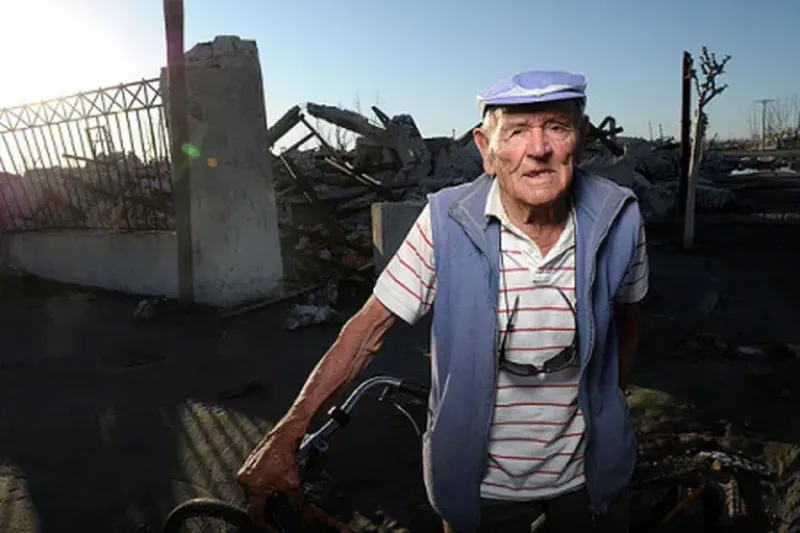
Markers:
492,117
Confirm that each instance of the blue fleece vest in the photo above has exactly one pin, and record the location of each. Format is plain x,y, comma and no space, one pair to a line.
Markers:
466,333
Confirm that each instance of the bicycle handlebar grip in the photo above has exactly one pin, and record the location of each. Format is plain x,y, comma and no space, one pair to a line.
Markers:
414,389
280,515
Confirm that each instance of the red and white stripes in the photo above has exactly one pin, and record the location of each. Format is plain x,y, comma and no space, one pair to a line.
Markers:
537,435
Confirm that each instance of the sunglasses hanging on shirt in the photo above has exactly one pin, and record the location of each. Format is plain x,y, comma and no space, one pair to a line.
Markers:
566,358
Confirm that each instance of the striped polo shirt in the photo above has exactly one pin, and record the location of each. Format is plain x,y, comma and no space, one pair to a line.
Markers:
537,436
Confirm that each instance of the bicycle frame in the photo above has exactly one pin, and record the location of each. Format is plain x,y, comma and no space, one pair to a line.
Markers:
339,416
281,516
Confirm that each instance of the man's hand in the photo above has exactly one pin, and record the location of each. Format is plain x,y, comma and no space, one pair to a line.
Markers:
271,467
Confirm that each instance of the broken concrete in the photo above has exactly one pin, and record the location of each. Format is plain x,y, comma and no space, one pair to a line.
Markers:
391,221
392,161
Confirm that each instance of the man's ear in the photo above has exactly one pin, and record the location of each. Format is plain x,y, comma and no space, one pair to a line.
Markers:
482,142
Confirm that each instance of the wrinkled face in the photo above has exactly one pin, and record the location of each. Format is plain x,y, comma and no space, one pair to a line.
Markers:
532,150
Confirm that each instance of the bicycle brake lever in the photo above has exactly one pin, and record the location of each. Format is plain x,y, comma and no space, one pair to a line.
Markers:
384,394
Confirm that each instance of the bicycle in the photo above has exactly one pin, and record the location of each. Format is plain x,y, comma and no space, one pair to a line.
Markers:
703,495
280,517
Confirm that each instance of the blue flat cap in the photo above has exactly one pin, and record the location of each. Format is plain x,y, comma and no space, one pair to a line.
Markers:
533,87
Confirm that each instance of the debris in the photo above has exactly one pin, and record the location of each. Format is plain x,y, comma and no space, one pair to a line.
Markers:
750,352
708,302
251,388
109,190
136,356
310,315
651,172
150,308
325,193
319,309
145,310
732,461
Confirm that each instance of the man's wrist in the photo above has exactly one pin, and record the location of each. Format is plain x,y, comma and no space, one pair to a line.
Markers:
294,425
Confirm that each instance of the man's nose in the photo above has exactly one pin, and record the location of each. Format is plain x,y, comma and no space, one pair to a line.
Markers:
538,144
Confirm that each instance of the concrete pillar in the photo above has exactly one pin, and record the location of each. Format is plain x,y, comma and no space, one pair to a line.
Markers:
391,222
237,255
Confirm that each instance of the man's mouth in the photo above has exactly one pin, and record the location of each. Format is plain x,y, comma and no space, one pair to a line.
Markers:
537,174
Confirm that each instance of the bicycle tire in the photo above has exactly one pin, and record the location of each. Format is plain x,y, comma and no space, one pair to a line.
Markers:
211,508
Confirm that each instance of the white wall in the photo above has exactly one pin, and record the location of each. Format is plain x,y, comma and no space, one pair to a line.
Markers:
236,247
136,263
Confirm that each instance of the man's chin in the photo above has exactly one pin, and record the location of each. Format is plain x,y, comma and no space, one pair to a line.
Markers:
542,196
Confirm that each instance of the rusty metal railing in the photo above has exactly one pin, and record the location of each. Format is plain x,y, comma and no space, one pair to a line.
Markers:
93,160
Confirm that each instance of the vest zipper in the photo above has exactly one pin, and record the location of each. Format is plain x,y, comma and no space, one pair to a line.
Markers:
495,364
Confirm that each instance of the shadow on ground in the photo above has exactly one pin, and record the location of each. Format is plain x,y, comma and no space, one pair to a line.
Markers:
106,423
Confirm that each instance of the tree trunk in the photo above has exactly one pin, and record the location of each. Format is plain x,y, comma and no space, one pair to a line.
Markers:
691,190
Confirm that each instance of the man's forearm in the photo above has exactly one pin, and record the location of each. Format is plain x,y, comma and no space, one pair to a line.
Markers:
627,322
357,343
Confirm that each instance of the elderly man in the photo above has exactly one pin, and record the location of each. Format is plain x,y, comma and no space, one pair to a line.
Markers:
533,272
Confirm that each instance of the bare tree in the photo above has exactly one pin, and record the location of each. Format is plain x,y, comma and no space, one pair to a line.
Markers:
782,118
707,89
753,124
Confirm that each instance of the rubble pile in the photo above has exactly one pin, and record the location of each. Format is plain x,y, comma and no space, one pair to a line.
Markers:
325,193
115,190
651,170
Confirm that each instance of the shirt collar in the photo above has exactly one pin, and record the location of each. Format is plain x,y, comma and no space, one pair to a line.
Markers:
494,208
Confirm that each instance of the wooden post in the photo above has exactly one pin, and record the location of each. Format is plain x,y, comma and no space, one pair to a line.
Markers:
691,189
707,89
179,135
686,125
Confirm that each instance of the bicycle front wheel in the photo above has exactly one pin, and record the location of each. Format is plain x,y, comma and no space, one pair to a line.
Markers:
207,515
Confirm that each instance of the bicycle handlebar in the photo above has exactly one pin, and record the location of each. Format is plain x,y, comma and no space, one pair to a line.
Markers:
281,515
413,389
339,416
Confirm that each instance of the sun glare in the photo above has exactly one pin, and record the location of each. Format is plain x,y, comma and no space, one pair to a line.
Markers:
48,50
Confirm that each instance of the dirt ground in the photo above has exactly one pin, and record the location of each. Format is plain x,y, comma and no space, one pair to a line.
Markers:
107,423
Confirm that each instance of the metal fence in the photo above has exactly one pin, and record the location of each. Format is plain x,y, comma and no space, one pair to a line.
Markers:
94,160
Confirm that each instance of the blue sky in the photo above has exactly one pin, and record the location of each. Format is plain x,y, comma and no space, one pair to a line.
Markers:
428,59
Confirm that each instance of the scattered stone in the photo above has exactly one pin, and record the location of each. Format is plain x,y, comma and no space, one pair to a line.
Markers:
149,309
749,352
303,315
729,460
250,388
145,310
318,310
708,301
